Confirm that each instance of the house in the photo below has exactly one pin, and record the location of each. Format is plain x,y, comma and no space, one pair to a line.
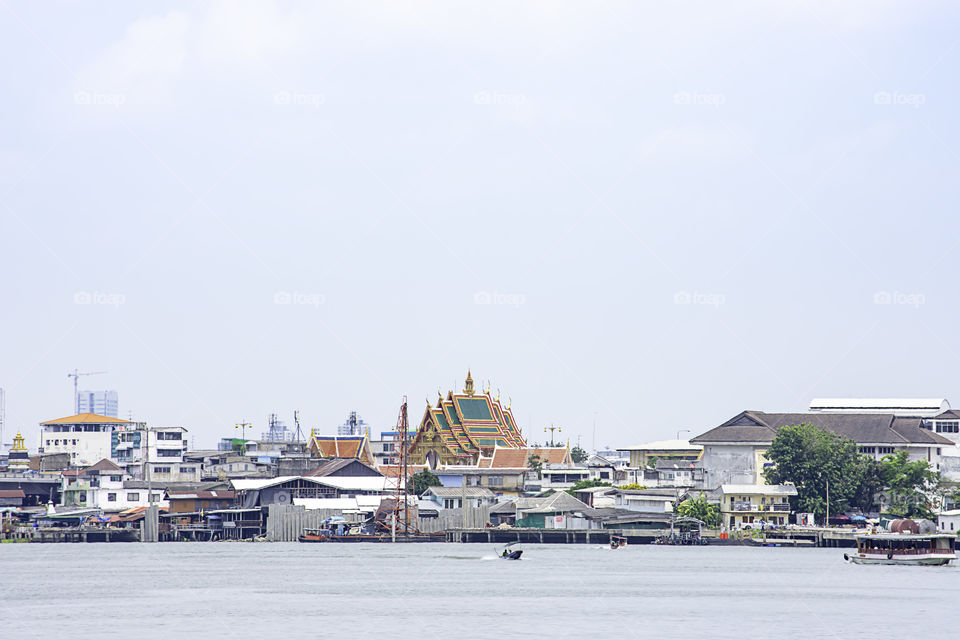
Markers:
192,501
107,486
735,451
12,497
647,500
949,521
597,497
500,481
675,473
452,497
644,455
751,505
563,476
261,492
559,510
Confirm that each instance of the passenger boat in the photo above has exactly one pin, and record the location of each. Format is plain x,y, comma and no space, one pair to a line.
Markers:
910,549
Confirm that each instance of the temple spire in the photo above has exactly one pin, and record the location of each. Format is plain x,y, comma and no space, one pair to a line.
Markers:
468,384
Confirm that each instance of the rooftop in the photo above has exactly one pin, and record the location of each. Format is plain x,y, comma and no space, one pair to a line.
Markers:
664,445
87,418
457,492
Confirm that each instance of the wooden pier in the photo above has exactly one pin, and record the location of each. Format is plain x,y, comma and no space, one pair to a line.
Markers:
781,537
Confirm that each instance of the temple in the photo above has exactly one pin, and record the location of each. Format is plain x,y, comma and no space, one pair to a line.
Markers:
462,427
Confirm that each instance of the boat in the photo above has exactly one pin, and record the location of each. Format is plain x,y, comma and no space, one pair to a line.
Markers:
617,541
510,555
907,549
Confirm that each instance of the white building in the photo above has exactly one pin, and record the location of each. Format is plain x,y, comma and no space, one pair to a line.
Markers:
86,437
156,453
106,486
735,451
949,521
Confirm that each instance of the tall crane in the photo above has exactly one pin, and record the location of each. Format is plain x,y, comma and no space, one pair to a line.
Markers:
76,394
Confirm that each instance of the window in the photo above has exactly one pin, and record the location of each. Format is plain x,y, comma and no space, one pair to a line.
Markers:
161,469
884,450
495,480
948,426
186,469
168,453
111,497
133,497
155,497
868,450
48,443
116,478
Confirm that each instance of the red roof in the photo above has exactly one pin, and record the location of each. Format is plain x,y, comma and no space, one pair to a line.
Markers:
12,493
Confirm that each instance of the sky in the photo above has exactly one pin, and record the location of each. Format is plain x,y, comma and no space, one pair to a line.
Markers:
629,219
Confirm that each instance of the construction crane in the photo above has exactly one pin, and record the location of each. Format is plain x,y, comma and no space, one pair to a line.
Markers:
76,394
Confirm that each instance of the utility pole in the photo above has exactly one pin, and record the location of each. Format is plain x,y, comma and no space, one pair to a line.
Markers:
827,523
243,426
551,429
150,529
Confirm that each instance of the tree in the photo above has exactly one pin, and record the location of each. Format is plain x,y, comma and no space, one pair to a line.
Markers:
586,484
423,481
700,509
910,486
813,459
535,463
578,455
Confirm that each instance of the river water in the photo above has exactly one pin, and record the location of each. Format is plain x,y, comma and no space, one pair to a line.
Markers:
289,590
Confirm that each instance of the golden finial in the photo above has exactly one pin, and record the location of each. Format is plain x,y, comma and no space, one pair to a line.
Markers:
498,394
509,402
468,384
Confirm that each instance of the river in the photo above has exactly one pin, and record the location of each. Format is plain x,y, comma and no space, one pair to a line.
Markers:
289,590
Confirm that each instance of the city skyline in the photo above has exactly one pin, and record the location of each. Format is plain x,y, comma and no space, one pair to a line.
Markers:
644,218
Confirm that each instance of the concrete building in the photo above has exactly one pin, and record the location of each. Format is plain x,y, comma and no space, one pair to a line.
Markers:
752,506
452,497
107,486
86,437
646,454
156,453
735,451
949,521
103,403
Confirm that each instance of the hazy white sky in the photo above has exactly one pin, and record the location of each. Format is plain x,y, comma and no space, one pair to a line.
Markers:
650,216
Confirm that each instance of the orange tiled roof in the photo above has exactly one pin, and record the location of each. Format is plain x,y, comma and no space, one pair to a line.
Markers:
87,418
517,458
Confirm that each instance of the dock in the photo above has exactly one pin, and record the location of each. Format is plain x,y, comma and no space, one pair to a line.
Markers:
805,537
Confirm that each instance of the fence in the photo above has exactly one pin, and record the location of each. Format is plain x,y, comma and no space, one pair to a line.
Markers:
285,521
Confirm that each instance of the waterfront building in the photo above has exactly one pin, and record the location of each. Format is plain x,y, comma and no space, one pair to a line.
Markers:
86,437
646,454
103,403
947,424
949,521
754,505
560,510
18,459
196,500
338,446
284,490
452,497
735,451
156,453
648,500
462,427
501,481
107,486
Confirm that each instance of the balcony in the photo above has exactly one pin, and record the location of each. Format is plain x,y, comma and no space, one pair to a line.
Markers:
781,507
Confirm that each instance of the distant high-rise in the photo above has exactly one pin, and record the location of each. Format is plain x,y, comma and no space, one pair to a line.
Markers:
102,403
354,426
278,431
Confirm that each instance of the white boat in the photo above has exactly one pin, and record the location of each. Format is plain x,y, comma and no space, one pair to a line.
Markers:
899,548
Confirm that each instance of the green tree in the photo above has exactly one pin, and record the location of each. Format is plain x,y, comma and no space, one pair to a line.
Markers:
586,484
910,486
813,459
535,463
423,481
700,509
578,455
